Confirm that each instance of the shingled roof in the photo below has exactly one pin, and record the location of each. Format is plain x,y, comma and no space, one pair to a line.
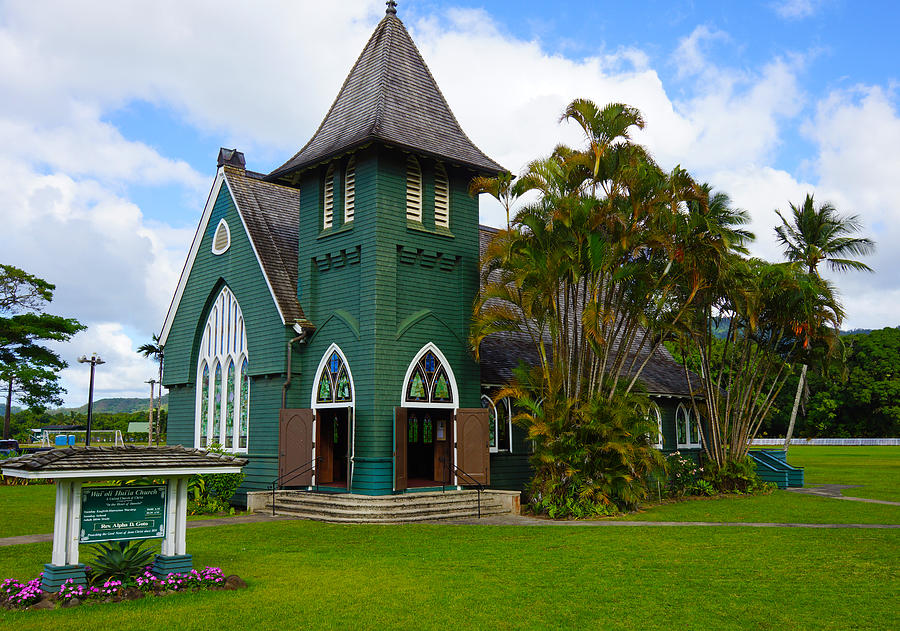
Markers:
271,213
391,96
98,462
501,352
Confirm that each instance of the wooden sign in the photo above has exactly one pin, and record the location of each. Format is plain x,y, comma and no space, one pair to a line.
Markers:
116,513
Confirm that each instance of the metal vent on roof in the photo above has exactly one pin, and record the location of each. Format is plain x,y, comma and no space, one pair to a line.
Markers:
441,197
328,218
350,190
231,157
413,190
222,238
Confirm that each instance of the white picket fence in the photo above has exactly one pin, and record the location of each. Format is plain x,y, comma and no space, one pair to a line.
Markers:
841,442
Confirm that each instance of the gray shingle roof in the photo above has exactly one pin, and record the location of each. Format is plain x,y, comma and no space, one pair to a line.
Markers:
271,213
119,458
501,352
390,95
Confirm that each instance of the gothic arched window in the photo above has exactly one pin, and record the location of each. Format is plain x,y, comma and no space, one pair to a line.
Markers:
429,381
334,383
223,380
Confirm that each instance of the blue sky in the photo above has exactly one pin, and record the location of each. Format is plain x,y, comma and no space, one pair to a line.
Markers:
114,113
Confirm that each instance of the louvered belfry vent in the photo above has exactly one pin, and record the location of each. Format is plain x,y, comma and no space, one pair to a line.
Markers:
222,238
413,190
441,197
350,190
328,218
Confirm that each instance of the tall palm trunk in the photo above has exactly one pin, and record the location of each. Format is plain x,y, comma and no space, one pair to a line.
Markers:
790,431
7,413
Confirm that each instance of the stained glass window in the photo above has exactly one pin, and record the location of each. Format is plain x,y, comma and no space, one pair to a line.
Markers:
325,390
695,433
204,405
218,401
426,430
229,411
245,404
681,420
417,387
334,381
492,419
429,381
413,429
223,393
343,387
503,425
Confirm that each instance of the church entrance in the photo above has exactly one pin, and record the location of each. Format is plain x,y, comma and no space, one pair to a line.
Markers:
333,447
428,442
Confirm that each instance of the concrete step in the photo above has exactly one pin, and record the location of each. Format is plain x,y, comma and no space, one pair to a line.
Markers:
410,507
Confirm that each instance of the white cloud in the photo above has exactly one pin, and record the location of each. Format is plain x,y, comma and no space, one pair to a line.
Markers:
796,9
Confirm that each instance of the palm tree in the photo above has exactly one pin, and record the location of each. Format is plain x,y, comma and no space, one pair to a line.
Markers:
816,234
499,187
155,351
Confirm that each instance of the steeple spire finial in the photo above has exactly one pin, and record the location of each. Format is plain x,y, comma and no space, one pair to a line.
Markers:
391,7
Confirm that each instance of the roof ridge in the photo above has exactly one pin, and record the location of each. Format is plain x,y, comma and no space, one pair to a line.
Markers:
382,85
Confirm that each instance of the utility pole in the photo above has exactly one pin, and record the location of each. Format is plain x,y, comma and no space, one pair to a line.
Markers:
152,382
93,361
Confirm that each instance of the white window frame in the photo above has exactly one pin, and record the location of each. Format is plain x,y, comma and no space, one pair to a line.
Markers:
454,402
654,412
221,225
224,339
683,416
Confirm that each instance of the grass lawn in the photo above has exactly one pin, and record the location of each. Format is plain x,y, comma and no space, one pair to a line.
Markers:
779,507
876,468
311,575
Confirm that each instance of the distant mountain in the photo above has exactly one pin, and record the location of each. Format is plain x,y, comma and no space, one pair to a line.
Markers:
857,331
15,409
114,406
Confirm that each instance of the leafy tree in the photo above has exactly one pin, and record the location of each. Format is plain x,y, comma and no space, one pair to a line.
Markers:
817,234
29,369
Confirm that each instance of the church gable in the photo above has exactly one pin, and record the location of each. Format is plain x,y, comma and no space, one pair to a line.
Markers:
216,261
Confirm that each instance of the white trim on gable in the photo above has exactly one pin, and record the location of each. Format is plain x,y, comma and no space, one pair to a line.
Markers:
195,247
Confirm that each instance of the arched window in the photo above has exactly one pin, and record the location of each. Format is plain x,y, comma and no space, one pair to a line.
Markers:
350,190
655,416
429,380
413,190
334,384
328,200
441,197
223,380
499,423
686,430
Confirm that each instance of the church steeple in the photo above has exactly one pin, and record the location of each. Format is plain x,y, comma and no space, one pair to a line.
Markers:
390,96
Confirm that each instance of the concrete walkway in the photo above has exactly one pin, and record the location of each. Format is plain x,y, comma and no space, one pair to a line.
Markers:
197,523
835,491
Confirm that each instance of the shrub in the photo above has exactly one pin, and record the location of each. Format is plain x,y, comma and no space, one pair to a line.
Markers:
16,594
212,493
591,458
118,560
682,475
736,477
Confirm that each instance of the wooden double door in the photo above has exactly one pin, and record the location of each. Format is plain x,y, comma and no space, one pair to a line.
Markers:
432,446
327,431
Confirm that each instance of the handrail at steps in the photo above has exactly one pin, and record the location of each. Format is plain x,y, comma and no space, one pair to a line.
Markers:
290,475
478,485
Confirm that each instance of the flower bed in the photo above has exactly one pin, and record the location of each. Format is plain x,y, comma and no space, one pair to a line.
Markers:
17,595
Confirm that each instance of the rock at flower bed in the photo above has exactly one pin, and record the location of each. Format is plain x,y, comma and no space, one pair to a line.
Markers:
48,601
234,582
73,602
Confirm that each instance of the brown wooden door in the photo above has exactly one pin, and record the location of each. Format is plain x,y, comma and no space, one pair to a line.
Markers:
473,445
324,447
400,439
295,445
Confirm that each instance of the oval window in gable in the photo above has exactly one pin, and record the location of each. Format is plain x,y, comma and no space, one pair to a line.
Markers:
222,238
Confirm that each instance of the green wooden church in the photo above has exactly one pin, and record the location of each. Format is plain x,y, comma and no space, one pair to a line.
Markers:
320,323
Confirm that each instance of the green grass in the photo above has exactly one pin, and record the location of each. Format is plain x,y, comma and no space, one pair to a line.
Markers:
779,507
876,468
310,575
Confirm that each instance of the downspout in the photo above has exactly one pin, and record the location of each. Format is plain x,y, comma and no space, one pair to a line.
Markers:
287,382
